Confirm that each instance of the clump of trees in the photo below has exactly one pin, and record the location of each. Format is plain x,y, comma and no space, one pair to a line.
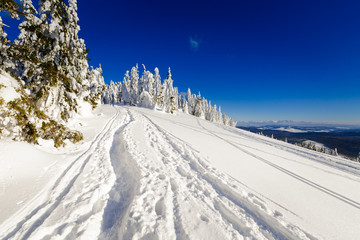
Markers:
149,90
50,62
318,147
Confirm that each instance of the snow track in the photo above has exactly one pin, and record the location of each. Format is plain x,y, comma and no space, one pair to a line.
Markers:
148,175
198,190
292,174
325,159
77,198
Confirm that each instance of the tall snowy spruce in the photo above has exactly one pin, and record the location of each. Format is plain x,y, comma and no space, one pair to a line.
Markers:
150,91
50,63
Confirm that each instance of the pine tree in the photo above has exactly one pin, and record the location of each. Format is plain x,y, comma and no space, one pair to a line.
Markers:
15,10
169,100
219,116
199,109
27,47
134,75
185,107
191,102
174,100
12,7
213,114
157,86
4,58
125,89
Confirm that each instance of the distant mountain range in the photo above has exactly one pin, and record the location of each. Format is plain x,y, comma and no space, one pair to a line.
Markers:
300,124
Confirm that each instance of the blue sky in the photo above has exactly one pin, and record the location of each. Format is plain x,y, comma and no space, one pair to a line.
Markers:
259,60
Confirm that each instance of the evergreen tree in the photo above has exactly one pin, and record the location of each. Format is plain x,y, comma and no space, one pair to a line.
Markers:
169,100
199,109
219,116
15,10
134,75
149,92
4,58
158,88
12,7
185,106
125,89
191,102
27,48
213,114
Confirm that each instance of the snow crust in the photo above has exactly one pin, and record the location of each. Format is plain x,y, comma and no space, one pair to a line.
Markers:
145,174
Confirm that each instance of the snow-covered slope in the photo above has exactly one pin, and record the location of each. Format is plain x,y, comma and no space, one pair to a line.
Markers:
143,174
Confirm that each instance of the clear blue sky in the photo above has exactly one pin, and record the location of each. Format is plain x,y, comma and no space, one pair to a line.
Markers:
259,60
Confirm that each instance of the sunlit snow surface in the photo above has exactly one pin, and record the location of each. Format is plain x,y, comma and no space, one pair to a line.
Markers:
144,174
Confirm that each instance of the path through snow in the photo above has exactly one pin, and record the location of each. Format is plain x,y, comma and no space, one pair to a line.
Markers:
150,175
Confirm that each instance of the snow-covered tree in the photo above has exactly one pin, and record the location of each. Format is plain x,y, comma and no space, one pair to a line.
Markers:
199,108
50,62
134,81
125,89
148,91
4,58
185,107
191,102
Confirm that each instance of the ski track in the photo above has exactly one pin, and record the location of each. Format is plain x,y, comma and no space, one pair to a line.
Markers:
138,181
76,197
347,166
292,174
240,213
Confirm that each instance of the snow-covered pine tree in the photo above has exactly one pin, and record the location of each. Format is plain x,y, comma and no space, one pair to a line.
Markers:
164,96
207,108
225,119
219,116
174,102
125,89
12,7
185,106
51,61
158,87
147,83
134,90
213,114
15,10
191,102
27,48
199,108
169,91
4,58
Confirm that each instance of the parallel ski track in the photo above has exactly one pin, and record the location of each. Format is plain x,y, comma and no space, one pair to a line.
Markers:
347,166
50,205
277,230
338,196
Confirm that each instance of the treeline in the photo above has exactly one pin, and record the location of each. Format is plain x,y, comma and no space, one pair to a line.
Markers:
317,147
151,91
50,62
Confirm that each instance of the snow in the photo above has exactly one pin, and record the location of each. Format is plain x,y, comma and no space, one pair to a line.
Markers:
145,174
8,86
